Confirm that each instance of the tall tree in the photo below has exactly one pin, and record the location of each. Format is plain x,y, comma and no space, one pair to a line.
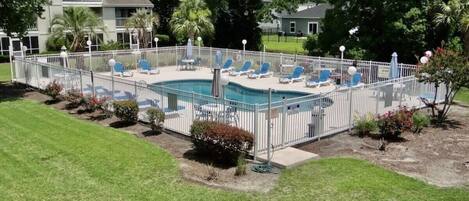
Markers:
454,15
79,22
191,19
382,27
236,20
165,9
142,21
17,16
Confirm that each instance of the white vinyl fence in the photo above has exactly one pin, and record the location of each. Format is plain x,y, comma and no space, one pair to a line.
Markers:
294,121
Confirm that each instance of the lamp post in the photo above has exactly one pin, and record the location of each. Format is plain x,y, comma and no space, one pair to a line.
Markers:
424,59
89,52
112,63
156,50
342,49
351,71
244,41
64,55
199,39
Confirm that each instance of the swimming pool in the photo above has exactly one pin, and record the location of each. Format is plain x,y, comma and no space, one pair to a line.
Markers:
233,91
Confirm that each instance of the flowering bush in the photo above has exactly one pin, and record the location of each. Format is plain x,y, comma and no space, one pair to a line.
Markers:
393,123
53,90
446,69
222,142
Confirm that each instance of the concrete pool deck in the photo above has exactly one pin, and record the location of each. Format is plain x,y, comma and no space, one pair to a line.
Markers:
201,73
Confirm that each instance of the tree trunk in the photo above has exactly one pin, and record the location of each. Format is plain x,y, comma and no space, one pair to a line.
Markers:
466,43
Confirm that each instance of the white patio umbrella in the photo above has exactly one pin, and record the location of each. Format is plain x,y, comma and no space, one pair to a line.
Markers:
217,75
189,49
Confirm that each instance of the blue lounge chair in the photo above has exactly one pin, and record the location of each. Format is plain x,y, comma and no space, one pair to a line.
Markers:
322,80
355,82
294,77
261,72
245,69
145,67
228,66
119,70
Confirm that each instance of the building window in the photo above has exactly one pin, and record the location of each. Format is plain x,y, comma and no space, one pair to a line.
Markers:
122,14
292,27
312,27
124,39
96,41
4,46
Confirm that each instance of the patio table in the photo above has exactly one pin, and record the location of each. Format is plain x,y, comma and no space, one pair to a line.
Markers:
213,108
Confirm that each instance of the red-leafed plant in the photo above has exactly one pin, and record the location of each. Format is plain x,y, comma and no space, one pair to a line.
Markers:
53,90
393,123
221,142
93,103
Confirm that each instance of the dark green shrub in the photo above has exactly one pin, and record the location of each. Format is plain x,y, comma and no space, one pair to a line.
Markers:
420,120
55,43
53,90
393,123
156,118
221,142
126,110
365,125
4,59
111,45
312,45
163,40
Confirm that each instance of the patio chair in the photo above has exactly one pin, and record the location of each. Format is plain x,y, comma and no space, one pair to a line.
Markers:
228,66
145,67
119,70
322,80
263,71
119,95
295,76
355,82
245,69
99,91
200,114
147,103
230,115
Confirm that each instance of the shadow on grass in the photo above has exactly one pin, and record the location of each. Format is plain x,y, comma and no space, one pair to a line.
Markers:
205,159
11,91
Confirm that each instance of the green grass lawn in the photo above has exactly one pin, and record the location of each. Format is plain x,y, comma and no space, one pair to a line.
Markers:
47,154
463,96
290,46
5,72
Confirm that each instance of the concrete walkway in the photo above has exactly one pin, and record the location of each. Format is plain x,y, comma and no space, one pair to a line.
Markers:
289,157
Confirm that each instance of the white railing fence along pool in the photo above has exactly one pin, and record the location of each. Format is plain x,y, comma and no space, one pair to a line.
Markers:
293,121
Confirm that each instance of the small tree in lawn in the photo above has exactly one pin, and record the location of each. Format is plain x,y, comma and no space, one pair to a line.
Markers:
446,69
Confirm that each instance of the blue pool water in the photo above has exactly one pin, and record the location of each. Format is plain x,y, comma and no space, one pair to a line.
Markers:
233,91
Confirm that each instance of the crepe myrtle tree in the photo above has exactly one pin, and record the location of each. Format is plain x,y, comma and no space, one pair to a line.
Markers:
448,69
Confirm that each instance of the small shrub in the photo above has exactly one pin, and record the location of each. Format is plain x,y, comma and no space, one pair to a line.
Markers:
126,110
366,125
223,143
53,90
392,124
241,166
420,120
74,97
93,103
156,117
212,173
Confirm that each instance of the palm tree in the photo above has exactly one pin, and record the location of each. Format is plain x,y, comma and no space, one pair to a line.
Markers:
142,21
191,18
79,22
455,15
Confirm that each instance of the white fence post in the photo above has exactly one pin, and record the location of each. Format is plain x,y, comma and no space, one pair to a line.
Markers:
377,100
284,121
193,108
369,74
350,110
256,131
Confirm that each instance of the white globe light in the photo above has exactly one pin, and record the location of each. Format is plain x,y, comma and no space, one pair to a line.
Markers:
244,42
25,48
111,62
156,39
88,43
342,48
352,70
428,54
63,48
199,38
224,80
424,60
